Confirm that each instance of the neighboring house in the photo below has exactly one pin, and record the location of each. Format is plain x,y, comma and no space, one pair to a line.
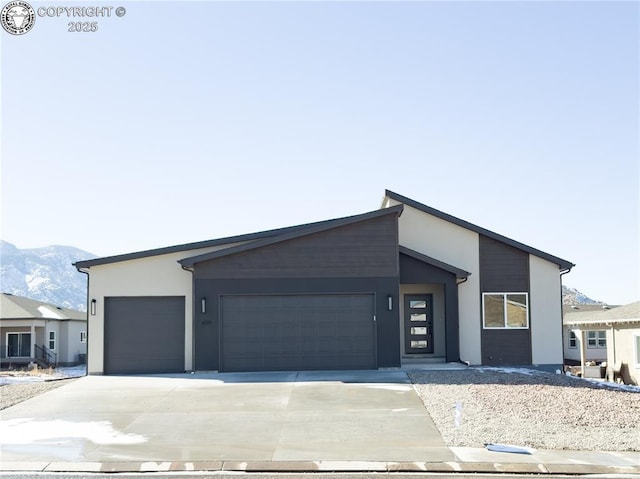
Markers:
616,331
375,290
33,331
595,340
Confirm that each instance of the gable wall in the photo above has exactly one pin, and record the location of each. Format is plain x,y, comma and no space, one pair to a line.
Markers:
364,249
458,247
356,258
151,276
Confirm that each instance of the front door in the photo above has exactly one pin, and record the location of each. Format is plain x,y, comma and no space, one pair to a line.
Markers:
418,323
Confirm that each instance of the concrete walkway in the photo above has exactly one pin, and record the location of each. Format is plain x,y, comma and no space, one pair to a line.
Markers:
306,421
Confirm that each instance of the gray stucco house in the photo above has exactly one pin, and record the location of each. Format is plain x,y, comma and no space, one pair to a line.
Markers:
369,291
32,331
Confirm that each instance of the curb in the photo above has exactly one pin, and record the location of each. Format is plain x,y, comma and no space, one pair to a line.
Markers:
316,466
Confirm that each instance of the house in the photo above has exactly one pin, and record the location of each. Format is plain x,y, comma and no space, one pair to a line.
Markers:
33,331
595,339
402,283
614,333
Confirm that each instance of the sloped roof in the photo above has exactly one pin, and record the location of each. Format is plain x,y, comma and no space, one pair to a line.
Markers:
582,308
460,273
629,313
19,307
297,233
562,263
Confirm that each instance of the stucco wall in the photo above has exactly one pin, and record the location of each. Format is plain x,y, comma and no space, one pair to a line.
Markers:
60,348
545,311
624,348
151,276
458,247
73,346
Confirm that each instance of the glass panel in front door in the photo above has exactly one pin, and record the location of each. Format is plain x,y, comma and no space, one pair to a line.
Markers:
418,323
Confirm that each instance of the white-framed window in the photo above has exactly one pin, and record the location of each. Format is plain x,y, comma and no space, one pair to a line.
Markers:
18,345
573,340
83,336
596,339
505,310
636,348
52,340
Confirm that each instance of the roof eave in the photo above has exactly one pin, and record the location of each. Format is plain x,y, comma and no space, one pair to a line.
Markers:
562,263
304,230
460,273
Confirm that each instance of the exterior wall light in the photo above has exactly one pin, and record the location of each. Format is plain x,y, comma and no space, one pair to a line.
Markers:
203,303
92,307
390,302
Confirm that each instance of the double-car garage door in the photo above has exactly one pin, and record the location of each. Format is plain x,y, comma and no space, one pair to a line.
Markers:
297,332
257,333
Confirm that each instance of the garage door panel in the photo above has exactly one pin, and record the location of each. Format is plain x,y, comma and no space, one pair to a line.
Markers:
144,334
290,332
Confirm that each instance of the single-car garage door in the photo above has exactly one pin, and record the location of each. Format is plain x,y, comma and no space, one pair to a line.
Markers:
297,332
144,335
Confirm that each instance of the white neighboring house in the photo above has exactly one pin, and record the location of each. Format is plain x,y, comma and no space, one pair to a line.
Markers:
33,331
610,334
596,339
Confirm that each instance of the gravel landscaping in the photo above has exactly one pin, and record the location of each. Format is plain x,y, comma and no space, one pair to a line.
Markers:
477,406
11,394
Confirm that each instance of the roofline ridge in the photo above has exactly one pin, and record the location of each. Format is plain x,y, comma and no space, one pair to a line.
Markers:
302,230
479,229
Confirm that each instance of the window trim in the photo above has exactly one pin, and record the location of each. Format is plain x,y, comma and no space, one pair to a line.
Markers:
597,338
19,333
573,337
505,294
51,339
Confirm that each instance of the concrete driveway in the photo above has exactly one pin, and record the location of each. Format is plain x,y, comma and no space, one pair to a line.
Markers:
290,416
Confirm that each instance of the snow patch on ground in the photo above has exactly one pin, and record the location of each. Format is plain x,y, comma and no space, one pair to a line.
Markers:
18,377
534,372
27,431
528,372
607,384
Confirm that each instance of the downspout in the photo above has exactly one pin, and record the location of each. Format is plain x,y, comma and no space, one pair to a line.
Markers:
193,317
563,339
460,360
88,342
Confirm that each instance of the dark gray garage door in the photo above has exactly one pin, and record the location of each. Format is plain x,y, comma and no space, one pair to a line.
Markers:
144,335
298,332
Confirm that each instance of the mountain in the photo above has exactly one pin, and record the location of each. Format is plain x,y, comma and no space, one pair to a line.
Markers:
45,274
571,297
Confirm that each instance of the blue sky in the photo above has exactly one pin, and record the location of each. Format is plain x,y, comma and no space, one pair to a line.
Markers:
185,121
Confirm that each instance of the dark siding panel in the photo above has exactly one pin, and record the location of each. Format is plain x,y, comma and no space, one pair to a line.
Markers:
413,271
364,249
506,347
144,335
503,269
207,325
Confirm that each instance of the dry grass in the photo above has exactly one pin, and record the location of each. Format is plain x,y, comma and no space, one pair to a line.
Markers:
34,370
